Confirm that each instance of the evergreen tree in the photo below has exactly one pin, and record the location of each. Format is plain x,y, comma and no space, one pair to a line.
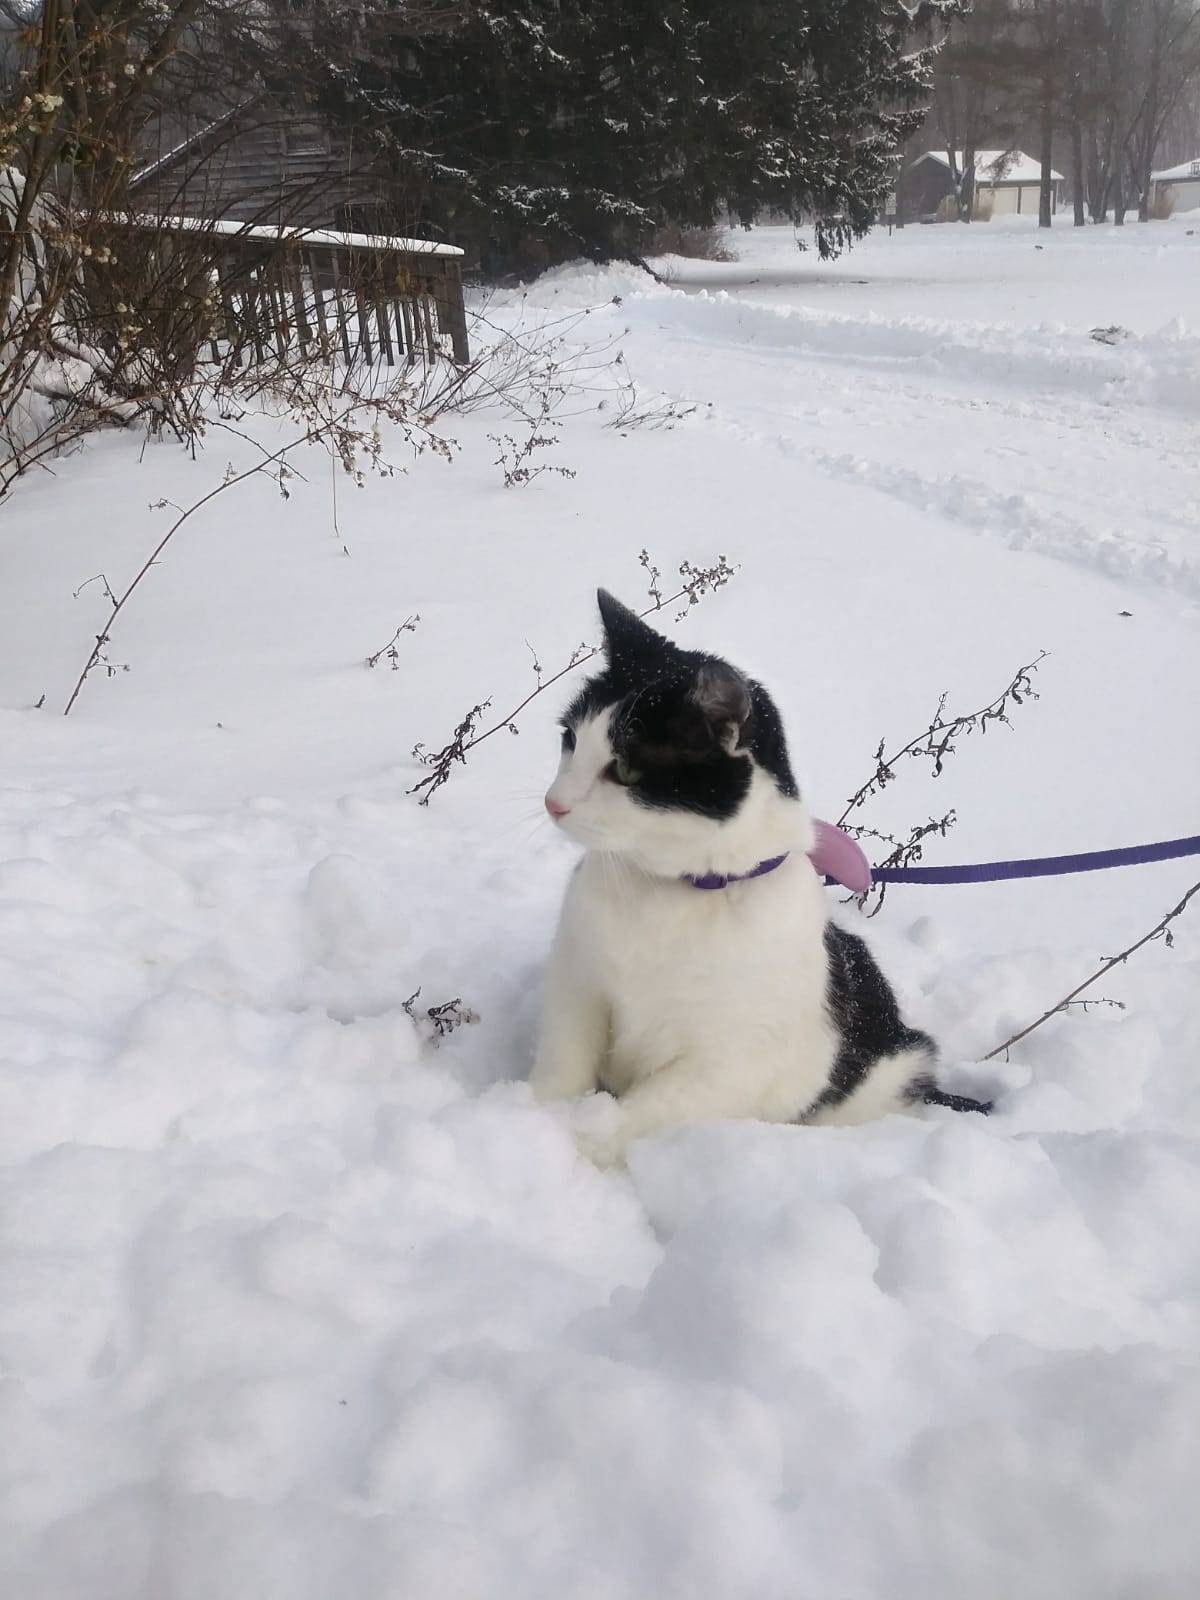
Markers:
587,124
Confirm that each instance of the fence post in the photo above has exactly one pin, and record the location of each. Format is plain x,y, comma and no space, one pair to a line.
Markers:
452,313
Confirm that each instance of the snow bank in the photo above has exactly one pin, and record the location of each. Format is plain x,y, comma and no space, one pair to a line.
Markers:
285,1304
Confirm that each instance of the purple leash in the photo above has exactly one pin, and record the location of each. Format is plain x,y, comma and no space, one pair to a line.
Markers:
839,859
1041,866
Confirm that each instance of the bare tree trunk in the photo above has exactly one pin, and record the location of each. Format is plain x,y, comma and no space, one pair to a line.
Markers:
1147,143
1077,180
1046,195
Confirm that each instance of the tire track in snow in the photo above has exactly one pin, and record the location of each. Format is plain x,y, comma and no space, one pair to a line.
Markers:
1013,518
1155,378
1160,369
1019,522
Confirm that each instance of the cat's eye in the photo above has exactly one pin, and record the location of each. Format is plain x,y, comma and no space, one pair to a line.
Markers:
621,772
568,738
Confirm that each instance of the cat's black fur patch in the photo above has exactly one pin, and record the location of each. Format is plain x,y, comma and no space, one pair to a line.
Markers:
869,1026
683,721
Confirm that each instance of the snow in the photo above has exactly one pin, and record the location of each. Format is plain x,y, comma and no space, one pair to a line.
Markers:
295,1301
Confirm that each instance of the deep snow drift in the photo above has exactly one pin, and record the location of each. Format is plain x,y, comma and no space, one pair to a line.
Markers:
294,1302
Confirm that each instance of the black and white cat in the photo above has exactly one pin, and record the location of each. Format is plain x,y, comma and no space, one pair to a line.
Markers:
684,1003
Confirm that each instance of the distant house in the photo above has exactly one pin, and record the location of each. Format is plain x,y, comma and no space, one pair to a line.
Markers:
1007,182
1181,183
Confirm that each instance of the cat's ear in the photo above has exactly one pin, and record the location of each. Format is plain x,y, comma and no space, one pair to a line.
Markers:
626,636
722,696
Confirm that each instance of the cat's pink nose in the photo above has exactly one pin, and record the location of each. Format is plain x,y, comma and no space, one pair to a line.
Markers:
555,810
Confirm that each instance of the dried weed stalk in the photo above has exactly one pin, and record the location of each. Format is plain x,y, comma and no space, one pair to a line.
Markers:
1160,930
934,744
435,1023
696,582
389,652
937,741
350,426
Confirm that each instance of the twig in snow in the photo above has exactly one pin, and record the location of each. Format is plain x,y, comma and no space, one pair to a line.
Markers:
935,744
1161,930
937,741
904,853
697,582
100,579
227,482
438,1021
343,428
409,625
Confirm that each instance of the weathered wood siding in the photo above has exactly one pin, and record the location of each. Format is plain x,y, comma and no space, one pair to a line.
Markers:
268,166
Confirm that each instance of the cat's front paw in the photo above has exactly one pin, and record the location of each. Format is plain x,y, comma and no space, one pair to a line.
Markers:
598,1130
603,1150
561,1080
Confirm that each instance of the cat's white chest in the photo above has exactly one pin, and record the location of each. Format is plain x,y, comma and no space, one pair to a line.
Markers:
729,979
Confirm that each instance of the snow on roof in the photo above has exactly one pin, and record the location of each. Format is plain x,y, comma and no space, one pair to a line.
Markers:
1185,169
997,166
228,227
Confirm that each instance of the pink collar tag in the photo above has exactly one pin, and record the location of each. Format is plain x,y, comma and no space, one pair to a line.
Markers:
836,855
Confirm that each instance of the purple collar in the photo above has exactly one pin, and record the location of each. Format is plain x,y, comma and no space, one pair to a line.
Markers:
835,856
721,880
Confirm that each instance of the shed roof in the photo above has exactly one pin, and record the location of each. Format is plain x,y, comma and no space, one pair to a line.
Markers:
997,166
1185,169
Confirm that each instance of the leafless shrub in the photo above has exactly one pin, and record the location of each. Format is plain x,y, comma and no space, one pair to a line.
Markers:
108,302
695,244
632,412
1162,207
696,582
516,457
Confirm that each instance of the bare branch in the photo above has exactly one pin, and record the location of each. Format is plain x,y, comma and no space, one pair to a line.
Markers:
937,740
409,625
697,582
1161,930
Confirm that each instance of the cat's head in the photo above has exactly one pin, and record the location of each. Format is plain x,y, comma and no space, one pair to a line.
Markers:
674,758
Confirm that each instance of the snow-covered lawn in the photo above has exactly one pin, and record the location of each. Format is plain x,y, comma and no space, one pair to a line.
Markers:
294,1303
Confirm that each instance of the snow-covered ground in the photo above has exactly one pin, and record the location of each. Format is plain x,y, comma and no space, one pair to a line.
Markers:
294,1302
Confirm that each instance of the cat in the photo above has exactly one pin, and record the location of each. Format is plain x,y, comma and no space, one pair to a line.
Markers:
695,973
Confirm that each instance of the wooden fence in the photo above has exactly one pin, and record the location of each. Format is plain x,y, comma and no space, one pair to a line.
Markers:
365,297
